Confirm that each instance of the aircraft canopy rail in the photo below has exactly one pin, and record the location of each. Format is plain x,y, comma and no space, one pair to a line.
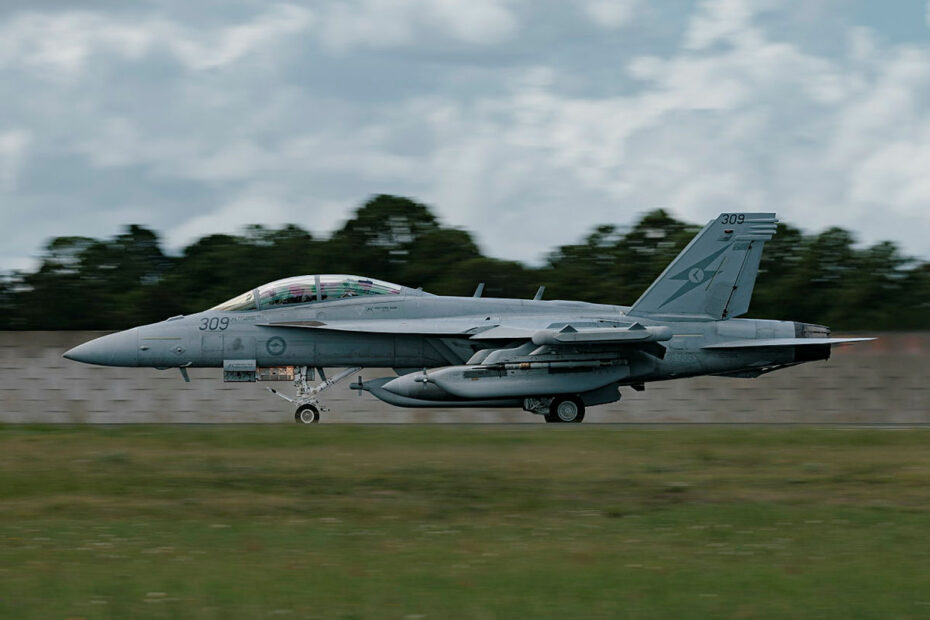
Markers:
307,290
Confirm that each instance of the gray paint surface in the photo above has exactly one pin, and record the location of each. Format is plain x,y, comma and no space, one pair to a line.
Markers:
884,381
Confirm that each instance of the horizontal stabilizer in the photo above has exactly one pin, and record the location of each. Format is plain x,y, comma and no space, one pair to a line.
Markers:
782,342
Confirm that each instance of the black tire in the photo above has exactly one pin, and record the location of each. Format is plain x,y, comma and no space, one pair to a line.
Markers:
566,410
307,414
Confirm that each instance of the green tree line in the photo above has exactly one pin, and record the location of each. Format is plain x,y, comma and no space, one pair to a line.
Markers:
85,283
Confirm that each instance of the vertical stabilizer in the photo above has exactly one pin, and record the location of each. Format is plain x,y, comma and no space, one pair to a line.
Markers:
715,274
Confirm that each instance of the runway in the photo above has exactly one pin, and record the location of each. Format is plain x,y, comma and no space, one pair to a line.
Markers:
882,383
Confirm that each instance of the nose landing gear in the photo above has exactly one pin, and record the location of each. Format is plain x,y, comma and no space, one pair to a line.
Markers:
307,398
307,414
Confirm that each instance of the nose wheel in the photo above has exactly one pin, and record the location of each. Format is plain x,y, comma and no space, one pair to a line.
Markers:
307,398
307,414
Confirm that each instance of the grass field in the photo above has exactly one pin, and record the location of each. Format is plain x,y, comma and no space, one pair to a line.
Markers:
475,522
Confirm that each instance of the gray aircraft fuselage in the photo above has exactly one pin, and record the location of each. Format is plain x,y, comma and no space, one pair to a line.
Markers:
208,338
550,357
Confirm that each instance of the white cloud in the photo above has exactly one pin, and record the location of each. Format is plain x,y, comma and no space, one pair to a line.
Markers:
364,153
258,203
399,23
13,146
231,44
218,124
611,14
721,20
895,174
862,44
479,22
758,124
65,41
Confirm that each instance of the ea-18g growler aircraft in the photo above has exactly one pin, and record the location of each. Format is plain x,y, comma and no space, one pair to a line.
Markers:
552,358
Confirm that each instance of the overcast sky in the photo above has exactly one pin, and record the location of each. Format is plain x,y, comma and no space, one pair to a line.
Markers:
526,122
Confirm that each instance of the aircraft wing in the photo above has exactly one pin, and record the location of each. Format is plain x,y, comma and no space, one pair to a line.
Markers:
545,332
539,330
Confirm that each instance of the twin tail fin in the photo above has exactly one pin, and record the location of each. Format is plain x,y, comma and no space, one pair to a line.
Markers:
714,275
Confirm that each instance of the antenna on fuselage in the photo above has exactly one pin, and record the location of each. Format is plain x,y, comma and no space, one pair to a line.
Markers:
539,293
479,290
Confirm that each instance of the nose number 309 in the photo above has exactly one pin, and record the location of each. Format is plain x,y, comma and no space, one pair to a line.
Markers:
214,323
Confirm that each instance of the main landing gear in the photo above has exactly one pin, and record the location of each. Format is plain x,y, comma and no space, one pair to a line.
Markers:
565,410
307,398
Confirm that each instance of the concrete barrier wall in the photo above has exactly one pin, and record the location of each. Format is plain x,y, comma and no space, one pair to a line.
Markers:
879,382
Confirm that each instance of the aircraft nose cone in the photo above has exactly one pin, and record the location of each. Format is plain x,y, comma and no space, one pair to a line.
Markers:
119,349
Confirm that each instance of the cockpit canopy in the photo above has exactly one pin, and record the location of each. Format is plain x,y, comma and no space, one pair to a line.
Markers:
308,290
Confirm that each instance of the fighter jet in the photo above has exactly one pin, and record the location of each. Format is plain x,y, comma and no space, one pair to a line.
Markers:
551,358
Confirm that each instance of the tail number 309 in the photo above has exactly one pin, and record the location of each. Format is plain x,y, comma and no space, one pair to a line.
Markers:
214,323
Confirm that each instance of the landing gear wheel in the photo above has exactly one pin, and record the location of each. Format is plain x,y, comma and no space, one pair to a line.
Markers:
566,410
307,414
